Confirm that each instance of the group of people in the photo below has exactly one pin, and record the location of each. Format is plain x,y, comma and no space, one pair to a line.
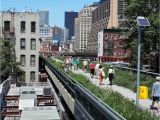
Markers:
97,70
69,62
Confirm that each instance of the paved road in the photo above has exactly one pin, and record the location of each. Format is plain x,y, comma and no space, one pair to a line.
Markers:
144,103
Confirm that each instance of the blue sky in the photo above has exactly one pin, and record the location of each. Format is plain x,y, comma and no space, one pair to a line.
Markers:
56,7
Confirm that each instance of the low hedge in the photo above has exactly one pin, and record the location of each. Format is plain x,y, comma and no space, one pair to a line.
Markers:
115,100
128,78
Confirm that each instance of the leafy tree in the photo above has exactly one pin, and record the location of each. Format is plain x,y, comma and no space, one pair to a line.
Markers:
8,61
150,35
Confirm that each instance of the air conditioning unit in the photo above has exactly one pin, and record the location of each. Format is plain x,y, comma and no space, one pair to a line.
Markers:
47,91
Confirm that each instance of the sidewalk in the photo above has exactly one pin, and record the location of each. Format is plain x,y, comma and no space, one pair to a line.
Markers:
127,93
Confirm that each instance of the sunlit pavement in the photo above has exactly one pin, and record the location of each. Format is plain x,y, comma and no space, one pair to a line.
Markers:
127,93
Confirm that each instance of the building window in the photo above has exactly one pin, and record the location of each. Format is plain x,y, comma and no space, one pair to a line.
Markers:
32,76
6,26
33,44
22,44
23,26
33,26
33,60
23,60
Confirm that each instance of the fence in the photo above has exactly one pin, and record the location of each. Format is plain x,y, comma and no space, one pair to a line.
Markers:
93,107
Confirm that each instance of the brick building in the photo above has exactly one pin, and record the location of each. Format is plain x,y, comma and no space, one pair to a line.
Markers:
109,44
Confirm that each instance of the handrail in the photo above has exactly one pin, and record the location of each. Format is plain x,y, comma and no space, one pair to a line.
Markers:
72,86
135,70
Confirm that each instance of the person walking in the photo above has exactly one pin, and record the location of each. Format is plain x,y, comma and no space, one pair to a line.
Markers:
78,62
111,74
97,70
156,93
67,63
92,68
85,63
101,75
75,62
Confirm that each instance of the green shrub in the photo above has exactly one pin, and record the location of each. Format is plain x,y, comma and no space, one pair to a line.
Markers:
116,101
61,58
57,64
128,78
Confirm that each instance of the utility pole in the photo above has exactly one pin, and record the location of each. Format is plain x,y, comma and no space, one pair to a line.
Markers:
141,22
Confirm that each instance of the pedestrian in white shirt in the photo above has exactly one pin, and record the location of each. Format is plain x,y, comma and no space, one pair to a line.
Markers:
97,70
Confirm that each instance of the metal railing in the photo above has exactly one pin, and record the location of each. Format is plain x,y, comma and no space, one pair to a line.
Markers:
94,108
141,71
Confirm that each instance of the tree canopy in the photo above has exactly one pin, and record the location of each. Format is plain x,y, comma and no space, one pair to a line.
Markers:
150,35
8,61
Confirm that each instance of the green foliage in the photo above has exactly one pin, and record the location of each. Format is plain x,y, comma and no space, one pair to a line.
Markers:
116,101
57,64
150,35
128,79
61,58
8,59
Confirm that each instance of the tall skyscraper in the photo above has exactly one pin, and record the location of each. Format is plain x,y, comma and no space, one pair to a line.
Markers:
82,28
69,22
43,17
109,14
56,34
102,1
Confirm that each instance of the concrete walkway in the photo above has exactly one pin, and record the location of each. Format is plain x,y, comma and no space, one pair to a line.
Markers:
127,93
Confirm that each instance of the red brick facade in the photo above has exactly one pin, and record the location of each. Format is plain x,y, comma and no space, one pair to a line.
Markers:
113,46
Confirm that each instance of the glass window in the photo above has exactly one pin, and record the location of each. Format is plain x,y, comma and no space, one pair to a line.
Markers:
33,60
33,26
7,26
33,44
23,26
32,76
23,60
22,43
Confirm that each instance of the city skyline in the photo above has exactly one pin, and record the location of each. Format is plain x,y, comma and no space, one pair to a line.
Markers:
55,18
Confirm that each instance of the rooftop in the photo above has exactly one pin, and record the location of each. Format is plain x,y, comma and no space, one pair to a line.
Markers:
40,113
30,102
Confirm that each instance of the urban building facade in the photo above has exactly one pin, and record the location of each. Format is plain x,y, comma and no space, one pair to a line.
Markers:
22,28
48,48
64,36
43,17
45,33
82,28
109,44
109,14
56,34
69,22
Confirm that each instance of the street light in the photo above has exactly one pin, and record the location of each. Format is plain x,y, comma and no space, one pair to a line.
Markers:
141,22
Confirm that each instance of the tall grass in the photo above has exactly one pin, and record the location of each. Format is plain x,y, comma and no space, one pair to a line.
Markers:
120,104
128,79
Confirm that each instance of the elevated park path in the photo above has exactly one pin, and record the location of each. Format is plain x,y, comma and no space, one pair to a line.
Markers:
80,101
82,104
127,93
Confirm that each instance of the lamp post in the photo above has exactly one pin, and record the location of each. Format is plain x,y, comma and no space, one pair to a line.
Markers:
141,22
